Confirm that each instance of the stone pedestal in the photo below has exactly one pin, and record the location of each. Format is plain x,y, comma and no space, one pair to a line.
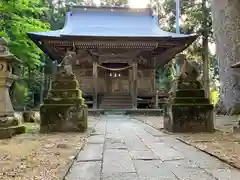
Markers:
9,125
189,111
64,109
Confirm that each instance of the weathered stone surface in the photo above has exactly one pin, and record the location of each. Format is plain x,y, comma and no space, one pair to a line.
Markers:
8,132
188,109
133,142
9,124
115,145
153,170
189,118
192,173
185,163
143,155
91,152
206,161
177,161
165,153
224,174
96,139
64,109
85,171
117,161
121,176
63,118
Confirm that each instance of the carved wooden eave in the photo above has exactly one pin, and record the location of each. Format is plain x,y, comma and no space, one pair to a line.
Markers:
103,44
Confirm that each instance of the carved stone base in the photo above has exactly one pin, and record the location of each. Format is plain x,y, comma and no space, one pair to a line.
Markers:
189,118
11,131
63,118
64,109
10,126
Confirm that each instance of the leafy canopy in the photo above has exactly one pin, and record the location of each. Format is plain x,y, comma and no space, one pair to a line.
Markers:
17,18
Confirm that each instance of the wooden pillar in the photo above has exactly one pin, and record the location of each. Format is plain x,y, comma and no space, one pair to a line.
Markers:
134,84
156,100
95,84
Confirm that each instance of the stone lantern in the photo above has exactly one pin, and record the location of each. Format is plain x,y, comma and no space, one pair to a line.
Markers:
9,125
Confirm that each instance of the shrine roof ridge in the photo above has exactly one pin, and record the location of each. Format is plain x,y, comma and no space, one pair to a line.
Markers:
95,22
111,8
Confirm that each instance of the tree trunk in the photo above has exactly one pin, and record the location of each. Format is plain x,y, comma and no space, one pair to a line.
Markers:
226,25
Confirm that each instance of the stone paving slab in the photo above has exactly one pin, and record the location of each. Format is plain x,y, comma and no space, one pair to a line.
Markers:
224,174
164,152
154,132
96,139
192,174
124,149
143,155
115,145
85,171
117,161
100,128
186,163
121,176
157,178
91,152
133,142
152,169
115,137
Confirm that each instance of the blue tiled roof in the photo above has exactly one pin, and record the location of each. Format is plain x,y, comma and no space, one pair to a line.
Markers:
111,22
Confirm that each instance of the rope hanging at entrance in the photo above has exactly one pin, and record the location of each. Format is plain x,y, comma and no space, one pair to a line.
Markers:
114,69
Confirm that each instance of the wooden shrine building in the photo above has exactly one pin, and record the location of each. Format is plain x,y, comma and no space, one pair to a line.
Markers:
118,50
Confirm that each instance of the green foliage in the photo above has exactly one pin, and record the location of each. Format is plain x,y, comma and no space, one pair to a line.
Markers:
165,76
17,17
196,18
20,94
214,96
114,2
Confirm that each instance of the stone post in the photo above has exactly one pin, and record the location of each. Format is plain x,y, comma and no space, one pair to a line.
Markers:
9,126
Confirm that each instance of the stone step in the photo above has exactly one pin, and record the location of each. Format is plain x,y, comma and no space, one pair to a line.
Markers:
116,102
117,97
124,106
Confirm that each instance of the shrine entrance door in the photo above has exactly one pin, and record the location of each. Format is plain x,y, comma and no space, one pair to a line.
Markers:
117,81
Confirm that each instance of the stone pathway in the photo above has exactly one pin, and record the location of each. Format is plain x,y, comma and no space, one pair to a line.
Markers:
122,148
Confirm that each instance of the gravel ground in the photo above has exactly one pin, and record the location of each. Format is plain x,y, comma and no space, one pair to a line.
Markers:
222,144
34,156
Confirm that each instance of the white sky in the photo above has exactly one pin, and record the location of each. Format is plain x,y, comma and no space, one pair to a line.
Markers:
138,3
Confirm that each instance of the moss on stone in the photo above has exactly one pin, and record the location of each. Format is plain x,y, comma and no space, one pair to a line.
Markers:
190,93
9,132
65,84
64,109
189,110
191,100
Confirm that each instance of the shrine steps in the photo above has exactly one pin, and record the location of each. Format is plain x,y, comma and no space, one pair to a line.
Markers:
116,102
